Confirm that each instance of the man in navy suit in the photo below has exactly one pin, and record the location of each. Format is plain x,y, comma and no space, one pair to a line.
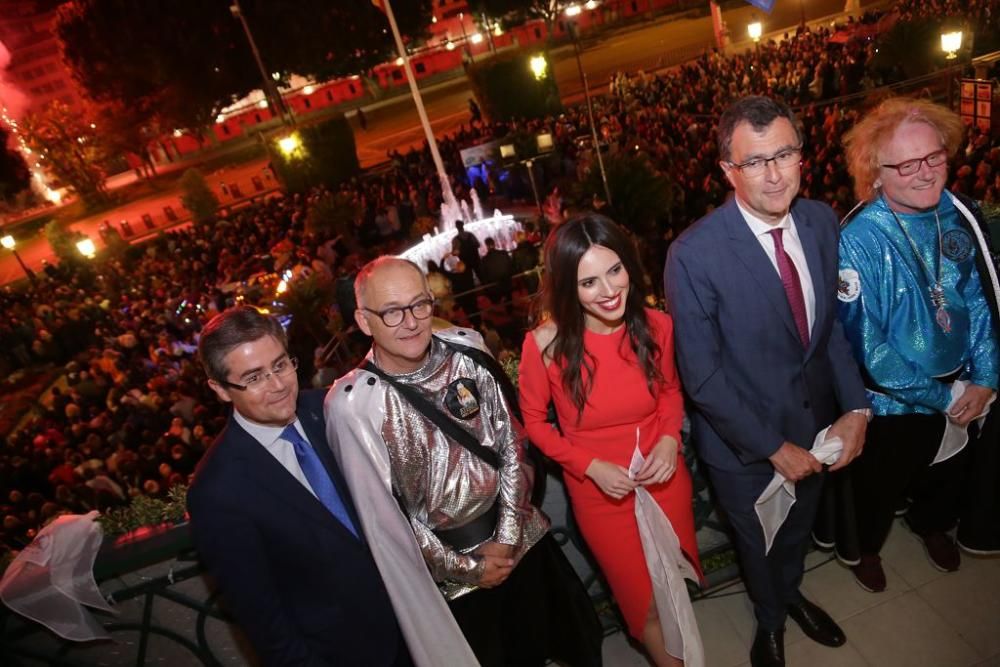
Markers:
752,290
272,517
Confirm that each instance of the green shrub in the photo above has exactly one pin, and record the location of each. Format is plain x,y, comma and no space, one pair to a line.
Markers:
63,241
325,154
507,88
197,197
641,195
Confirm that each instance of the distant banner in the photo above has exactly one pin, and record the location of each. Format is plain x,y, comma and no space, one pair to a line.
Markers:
766,5
476,155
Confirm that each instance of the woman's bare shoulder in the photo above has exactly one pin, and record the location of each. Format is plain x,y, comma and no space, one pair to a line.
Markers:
543,335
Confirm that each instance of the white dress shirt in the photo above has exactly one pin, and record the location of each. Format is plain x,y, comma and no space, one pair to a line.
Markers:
270,438
793,248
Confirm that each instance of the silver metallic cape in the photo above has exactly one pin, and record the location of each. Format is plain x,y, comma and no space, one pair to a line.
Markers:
380,440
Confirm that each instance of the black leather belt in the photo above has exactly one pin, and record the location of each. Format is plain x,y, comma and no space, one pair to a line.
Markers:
943,379
950,377
475,532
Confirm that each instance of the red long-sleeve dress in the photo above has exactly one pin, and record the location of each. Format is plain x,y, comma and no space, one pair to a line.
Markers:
619,402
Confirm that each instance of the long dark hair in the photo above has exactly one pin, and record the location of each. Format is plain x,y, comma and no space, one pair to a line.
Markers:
560,299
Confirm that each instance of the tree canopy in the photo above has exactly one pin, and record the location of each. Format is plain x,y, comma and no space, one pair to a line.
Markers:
520,11
14,175
188,59
68,145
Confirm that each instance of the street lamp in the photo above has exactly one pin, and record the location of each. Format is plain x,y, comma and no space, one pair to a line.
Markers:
951,42
755,30
465,36
539,66
508,153
586,94
270,90
291,145
87,248
8,242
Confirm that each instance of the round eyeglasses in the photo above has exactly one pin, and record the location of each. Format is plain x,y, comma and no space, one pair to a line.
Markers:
394,316
910,167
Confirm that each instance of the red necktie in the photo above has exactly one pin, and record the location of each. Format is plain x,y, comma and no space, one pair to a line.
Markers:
793,287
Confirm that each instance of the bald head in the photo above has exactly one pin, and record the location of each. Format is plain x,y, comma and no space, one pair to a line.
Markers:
383,271
397,289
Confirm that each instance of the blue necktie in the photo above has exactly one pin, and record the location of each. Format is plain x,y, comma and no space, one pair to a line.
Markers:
318,477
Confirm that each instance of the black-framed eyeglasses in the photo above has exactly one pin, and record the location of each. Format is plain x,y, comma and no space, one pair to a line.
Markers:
258,381
782,160
910,167
394,316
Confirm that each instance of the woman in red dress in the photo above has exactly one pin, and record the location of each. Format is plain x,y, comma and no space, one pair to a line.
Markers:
607,364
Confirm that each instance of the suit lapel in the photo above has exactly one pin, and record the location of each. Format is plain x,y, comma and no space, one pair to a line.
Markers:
810,246
271,476
746,246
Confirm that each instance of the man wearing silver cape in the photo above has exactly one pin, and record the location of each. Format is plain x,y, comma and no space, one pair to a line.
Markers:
427,439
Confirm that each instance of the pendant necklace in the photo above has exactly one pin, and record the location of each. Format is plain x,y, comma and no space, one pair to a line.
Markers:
934,286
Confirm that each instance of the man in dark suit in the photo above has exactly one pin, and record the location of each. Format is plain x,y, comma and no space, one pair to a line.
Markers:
272,517
752,290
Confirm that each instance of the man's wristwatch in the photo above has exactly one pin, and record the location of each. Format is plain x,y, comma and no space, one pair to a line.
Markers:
867,412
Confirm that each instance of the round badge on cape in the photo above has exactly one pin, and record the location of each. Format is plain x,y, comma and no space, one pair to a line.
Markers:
462,398
848,285
956,245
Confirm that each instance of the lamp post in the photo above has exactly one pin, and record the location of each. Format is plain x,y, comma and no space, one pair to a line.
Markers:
490,32
465,36
586,94
8,242
951,43
271,91
508,153
86,248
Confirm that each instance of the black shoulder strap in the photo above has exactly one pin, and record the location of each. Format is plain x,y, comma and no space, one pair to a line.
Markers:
429,410
485,360
985,256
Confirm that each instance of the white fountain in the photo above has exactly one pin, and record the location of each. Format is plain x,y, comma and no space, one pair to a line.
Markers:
501,227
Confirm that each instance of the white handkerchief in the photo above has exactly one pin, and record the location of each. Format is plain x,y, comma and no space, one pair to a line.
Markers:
776,501
668,567
51,580
957,437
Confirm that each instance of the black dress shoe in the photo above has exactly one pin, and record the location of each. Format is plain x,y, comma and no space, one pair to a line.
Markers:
768,649
816,623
